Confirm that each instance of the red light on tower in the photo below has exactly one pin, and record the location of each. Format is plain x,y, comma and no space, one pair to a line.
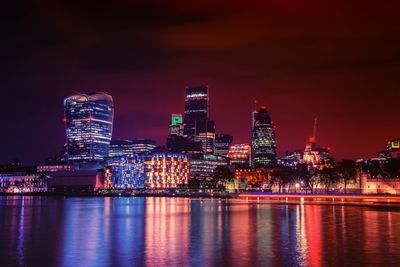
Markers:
65,120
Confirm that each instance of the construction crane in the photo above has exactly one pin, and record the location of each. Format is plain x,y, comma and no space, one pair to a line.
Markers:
313,138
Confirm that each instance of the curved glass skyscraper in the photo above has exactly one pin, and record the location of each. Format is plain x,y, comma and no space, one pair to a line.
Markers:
89,123
263,139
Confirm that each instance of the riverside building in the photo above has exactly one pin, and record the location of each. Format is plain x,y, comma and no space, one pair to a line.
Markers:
89,122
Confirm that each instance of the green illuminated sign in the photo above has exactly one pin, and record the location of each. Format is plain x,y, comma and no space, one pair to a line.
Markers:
176,119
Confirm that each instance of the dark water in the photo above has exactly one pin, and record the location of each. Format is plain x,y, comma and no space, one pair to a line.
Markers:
46,231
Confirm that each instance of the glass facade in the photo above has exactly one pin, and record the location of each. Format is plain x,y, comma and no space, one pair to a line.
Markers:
120,148
203,166
128,172
207,139
263,140
89,123
222,144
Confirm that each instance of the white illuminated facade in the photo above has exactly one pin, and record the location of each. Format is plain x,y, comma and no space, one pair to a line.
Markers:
316,156
167,170
239,154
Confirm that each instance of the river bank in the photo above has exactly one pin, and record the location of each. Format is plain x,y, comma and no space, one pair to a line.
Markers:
239,195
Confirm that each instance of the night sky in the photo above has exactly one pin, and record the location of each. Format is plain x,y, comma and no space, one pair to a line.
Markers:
338,60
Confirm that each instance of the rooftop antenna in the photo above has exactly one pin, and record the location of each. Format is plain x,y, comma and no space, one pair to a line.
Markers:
253,114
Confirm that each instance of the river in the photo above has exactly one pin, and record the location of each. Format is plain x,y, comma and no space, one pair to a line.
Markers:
129,231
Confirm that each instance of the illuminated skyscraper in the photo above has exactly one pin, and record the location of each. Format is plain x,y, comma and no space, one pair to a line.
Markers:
89,123
197,126
263,140
196,111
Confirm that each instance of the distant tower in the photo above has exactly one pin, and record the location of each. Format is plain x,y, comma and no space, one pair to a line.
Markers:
197,126
89,123
313,138
263,139
196,110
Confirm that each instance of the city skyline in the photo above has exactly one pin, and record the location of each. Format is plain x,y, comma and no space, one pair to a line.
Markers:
200,133
331,60
162,141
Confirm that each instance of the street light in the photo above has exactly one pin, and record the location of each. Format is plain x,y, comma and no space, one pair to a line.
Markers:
297,185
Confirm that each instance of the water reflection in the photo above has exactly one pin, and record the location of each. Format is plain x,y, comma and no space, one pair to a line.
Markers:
40,231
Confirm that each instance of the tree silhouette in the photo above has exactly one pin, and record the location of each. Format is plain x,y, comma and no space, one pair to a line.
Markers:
223,173
347,172
392,168
283,176
328,176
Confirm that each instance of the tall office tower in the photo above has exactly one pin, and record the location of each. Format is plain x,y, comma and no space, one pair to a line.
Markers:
89,123
222,144
196,111
176,126
263,140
